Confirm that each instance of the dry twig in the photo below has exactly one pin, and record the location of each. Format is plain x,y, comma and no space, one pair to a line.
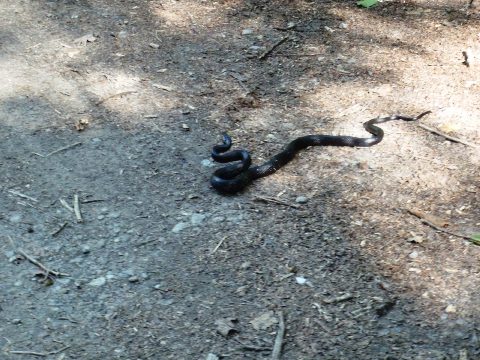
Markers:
19,194
76,208
58,150
56,232
448,137
271,48
36,262
218,245
277,346
274,200
40,354
120,94
66,205
436,227
341,298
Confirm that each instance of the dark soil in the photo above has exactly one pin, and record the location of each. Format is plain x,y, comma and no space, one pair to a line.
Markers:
119,103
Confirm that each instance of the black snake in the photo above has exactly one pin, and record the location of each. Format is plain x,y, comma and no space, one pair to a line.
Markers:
235,177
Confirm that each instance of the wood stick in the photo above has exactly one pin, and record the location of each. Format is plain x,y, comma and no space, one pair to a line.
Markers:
448,137
56,232
13,192
40,354
114,96
277,346
274,200
218,245
66,205
40,265
273,47
34,261
63,148
76,208
429,223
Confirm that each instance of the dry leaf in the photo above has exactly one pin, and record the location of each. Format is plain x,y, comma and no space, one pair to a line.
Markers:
226,326
264,321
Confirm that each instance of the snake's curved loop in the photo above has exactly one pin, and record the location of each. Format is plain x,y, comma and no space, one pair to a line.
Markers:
233,178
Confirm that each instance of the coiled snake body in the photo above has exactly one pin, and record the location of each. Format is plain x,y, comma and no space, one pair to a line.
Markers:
235,177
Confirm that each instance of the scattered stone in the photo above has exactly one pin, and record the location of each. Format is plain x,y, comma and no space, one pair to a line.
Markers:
413,255
15,218
343,25
133,279
197,219
301,280
154,46
247,31
98,281
207,163
301,200
16,321
85,249
245,265
179,227
211,356
451,309
242,290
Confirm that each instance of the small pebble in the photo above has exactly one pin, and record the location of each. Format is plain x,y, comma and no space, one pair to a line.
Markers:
245,265
207,163
343,25
301,200
85,249
301,280
133,279
197,219
98,281
16,321
179,227
450,309
154,46
247,31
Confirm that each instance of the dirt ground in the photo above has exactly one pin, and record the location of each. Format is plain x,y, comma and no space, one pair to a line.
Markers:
114,106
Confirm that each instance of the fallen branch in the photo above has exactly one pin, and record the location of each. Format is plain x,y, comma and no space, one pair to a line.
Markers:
66,205
218,245
40,354
19,194
123,93
36,262
448,137
58,150
341,298
76,208
274,200
429,223
56,232
277,346
427,217
273,47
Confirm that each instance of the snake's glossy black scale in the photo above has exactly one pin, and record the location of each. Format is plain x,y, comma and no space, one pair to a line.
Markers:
234,178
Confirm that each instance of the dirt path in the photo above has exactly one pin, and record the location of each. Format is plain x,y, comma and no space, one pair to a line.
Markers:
118,103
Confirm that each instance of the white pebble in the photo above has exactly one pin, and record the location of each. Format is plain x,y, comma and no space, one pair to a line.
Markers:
301,200
98,281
